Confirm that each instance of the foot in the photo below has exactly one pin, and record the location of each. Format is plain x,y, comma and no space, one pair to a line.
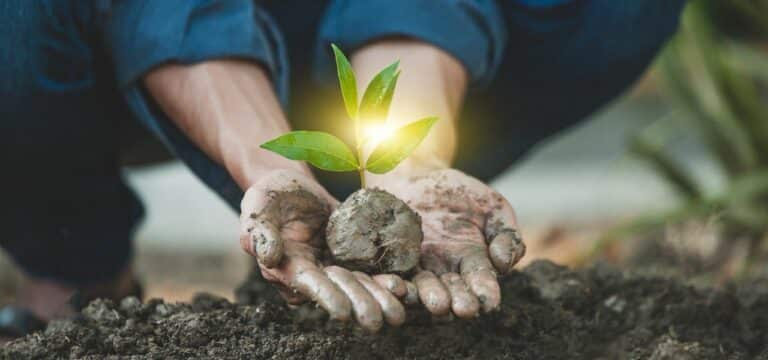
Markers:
39,301
49,300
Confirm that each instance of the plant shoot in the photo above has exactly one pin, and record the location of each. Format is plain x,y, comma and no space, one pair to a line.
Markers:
369,118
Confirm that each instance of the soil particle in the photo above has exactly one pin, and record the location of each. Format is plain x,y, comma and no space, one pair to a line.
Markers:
548,312
375,232
668,348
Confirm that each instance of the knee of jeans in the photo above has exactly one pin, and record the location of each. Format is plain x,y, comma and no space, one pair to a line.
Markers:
80,234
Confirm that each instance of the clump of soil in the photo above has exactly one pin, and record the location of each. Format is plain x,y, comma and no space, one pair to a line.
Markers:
375,232
548,312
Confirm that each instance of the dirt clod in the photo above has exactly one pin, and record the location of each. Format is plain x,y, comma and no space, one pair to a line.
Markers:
375,232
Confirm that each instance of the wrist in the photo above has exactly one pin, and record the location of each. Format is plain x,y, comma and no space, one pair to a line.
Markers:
228,109
246,173
432,83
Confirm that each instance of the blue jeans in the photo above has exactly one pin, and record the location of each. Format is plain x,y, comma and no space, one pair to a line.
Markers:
70,85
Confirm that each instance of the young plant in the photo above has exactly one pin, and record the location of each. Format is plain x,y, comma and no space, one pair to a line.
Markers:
330,153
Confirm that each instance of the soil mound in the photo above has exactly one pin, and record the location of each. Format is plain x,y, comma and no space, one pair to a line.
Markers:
548,312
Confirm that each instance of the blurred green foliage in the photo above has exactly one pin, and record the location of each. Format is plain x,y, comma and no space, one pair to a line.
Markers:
715,74
739,18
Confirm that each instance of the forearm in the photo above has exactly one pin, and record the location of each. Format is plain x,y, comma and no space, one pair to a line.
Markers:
431,83
228,108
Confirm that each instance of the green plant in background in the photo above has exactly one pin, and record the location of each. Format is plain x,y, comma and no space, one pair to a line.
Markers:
716,78
330,153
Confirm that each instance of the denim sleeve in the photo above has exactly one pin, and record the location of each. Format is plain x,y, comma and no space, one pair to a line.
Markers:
472,31
143,34
542,4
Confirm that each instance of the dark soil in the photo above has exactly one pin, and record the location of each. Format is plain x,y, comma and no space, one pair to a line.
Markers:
549,312
375,232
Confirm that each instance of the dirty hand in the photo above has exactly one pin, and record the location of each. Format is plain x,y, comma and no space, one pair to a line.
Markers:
470,236
283,219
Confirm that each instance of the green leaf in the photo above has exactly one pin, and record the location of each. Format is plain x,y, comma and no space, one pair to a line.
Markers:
347,82
392,151
378,95
320,149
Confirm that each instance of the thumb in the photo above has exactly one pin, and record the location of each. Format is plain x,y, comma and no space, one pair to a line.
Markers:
265,239
272,203
505,247
259,234
260,238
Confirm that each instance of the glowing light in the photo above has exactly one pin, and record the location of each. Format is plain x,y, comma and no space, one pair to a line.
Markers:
378,133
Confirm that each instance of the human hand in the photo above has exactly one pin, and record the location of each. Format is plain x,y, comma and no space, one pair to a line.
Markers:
470,236
283,219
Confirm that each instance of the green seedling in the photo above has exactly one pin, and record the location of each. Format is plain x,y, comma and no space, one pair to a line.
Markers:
328,152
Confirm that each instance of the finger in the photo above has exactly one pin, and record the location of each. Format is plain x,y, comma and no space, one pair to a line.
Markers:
267,243
432,293
463,303
506,247
391,308
365,307
412,294
505,250
246,244
315,285
263,207
478,274
392,283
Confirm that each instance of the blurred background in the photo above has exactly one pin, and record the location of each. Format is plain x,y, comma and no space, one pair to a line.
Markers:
674,169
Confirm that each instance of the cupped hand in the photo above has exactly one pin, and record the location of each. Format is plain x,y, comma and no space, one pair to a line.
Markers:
470,236
283,219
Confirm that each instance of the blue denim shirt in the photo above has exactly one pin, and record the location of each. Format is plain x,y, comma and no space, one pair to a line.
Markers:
141,34
138,35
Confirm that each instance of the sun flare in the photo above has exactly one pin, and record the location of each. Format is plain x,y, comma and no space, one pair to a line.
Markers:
375,134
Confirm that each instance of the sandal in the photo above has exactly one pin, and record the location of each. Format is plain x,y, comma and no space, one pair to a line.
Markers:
17,322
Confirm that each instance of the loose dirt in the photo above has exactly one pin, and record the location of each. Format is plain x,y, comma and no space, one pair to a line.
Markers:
548,312
375,232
